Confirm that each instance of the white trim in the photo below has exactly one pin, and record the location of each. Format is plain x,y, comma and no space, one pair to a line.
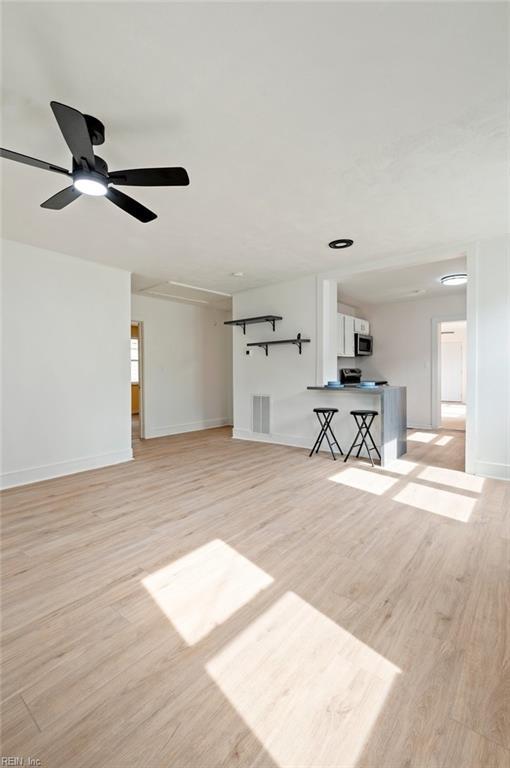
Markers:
492,469
193,426
415,425
60,469
290,440
472,360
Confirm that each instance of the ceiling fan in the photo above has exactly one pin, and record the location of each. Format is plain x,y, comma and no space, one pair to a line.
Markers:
90,175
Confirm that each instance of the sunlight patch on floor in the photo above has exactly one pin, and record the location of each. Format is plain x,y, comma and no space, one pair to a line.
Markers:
422,437
204,588
364,480
400,467
453,410
453,415
452,478
309,690
453,505
444,440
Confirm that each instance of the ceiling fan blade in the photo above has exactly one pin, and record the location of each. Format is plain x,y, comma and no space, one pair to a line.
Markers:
61,199
10,155
151,177
76,133
129,205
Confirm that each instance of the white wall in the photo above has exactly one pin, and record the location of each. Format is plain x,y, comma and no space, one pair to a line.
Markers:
402,333
65,393
488,328
284,375
187,366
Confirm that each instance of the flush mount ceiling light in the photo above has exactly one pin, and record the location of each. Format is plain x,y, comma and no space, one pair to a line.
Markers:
90,186
237,274
458,278
342,243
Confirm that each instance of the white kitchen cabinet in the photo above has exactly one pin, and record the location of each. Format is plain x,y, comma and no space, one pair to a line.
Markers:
361,326
347,326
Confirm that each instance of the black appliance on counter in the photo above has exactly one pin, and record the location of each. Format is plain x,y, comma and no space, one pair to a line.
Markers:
351,377
363,345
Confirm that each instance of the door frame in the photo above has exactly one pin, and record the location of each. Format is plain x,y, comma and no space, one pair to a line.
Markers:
141,387
436,364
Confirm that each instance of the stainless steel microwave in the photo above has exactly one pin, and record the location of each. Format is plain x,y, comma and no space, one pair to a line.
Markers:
362,344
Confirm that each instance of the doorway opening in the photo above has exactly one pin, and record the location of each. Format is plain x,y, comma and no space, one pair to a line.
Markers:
137,431
453,374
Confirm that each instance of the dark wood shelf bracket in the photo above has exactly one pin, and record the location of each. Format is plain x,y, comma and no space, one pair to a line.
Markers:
243,322
298,341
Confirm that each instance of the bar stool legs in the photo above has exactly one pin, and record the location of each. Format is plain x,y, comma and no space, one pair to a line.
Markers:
325,417
364,420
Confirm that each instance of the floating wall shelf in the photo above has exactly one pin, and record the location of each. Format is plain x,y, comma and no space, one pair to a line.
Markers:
252,320
265,344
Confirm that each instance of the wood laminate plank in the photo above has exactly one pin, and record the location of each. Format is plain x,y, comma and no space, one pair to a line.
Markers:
18,725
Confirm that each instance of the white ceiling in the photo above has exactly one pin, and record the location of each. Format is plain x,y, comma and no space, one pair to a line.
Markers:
298,123
404,284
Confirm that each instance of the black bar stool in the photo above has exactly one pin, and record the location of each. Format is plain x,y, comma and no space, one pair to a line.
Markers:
364,420
325,416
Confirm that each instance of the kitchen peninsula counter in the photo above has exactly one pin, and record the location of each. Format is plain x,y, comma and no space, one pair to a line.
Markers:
389,429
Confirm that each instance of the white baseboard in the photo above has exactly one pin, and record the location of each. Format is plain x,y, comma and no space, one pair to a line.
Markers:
290,440
60,469
416,425
492,469
192,426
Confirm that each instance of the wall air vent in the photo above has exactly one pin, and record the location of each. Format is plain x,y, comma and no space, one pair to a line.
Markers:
260,413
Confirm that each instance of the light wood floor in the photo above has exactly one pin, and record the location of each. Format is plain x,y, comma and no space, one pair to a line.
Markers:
453,415
225,603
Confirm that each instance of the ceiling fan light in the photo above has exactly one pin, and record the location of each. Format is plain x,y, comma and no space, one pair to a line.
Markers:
89,186
459,278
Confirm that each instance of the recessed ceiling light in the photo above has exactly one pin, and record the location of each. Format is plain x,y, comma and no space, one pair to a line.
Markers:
237,274
342,243
459,278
